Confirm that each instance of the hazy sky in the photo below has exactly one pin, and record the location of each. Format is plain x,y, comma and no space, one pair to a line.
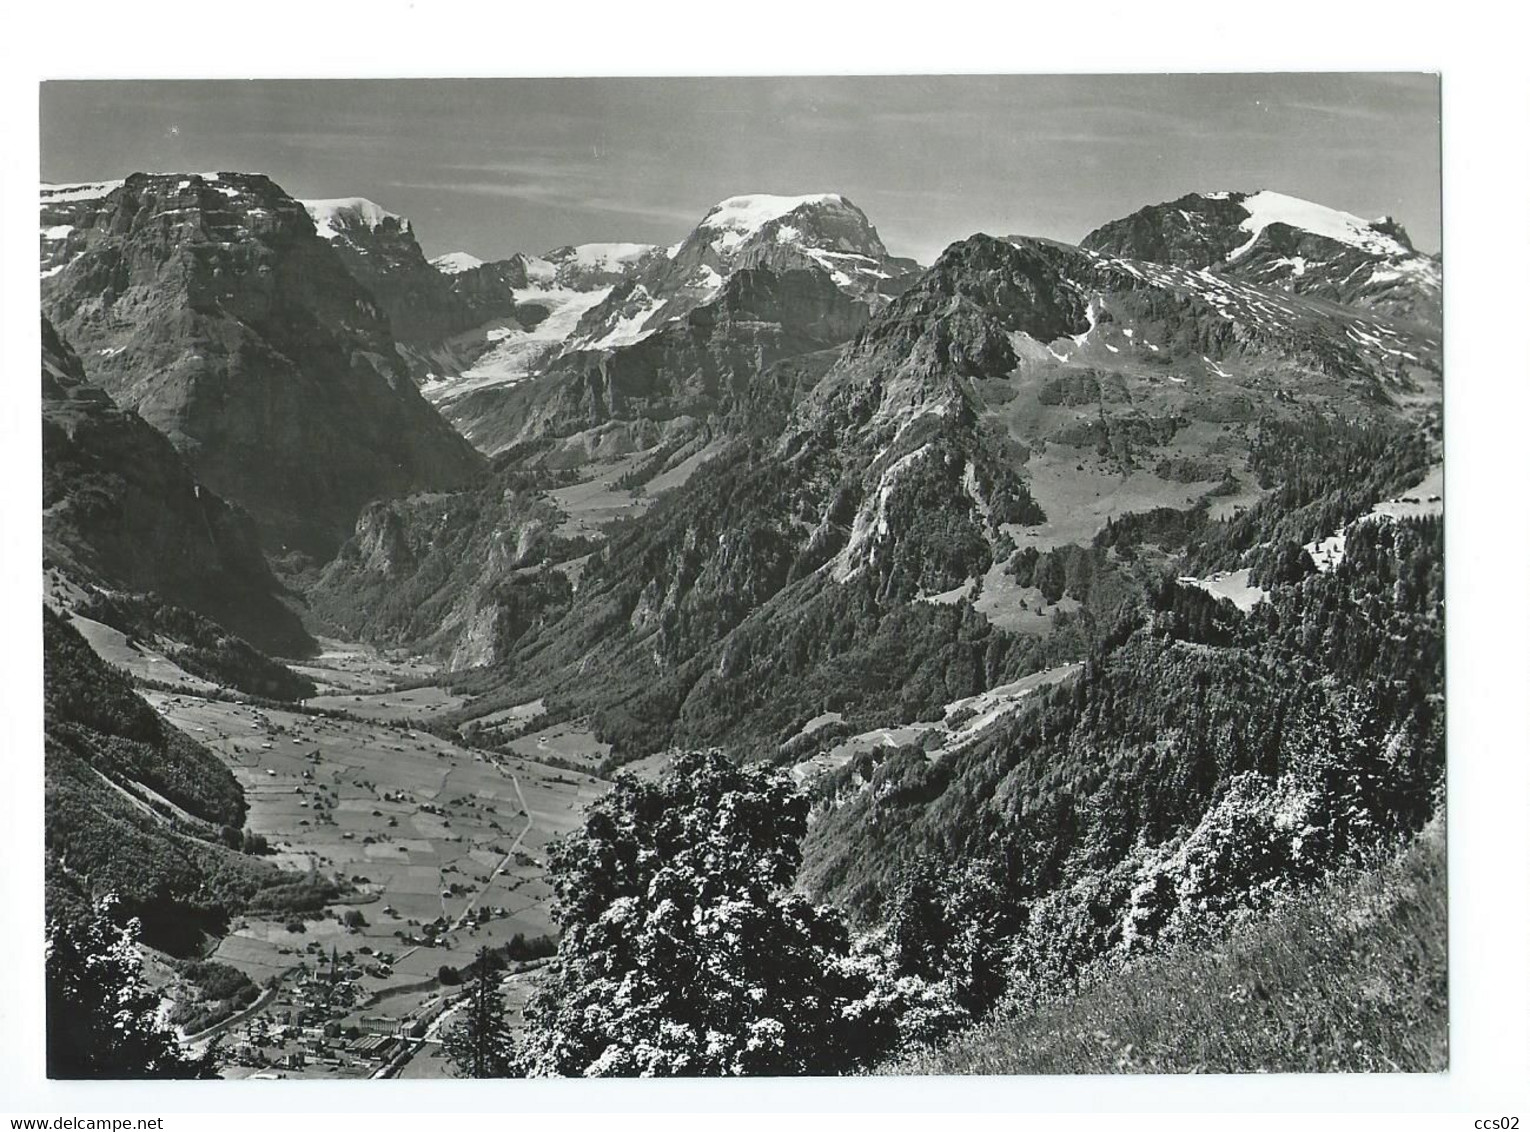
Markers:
503,165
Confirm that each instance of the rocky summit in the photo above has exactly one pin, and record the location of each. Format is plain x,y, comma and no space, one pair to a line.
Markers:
425,309
210,305
824,232
1286,243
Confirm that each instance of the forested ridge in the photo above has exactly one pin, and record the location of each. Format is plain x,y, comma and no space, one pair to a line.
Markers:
1216,791
1205,764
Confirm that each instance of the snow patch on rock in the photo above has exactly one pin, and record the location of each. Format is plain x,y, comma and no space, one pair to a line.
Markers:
1266,208
327,214
453,263
84,190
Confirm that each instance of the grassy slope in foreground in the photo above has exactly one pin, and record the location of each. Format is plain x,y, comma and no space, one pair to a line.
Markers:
1349,978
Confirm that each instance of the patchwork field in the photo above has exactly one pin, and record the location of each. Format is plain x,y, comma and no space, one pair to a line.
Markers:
568,741
391,707
347,668
441,849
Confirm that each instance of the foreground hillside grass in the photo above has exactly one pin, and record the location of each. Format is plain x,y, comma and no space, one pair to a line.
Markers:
1351,978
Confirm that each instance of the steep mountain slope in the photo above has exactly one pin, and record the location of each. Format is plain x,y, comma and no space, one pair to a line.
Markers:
425,309
939,494
451,574
207,303
1278,241
120,508
1352,977
464,575
781,234
696,368
762,277
137,808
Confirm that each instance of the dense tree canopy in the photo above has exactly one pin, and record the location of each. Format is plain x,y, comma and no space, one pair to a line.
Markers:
684,953
102,1016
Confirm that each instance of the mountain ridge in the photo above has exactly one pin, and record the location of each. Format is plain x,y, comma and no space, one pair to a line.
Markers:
1283,242
211,306
120,508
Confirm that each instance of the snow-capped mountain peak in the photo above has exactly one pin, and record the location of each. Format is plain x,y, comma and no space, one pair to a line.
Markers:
1266,207
1276,240
740,217
454,263
333,215
822,232
825,222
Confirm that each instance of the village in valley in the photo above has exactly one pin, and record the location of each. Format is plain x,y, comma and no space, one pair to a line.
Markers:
438,851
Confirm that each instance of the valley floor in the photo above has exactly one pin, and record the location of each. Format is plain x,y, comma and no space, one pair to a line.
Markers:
422,829
1351,978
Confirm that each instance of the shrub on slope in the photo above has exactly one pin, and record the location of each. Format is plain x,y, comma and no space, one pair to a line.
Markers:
1351,977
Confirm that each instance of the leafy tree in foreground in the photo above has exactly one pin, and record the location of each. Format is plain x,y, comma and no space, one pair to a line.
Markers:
480,1044
102,1016
948,924
684,952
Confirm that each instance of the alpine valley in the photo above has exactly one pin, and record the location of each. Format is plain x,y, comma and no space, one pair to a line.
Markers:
758,654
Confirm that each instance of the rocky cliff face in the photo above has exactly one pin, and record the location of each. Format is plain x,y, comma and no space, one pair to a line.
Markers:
209,304
760,279
121,509
1285,243
454,575
487,285
379,249
698,368
823,233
